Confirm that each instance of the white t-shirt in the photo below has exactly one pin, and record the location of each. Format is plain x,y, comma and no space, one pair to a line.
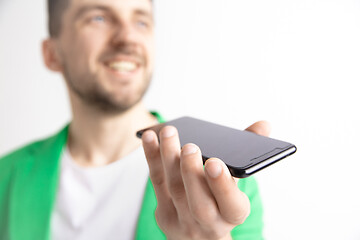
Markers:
101,203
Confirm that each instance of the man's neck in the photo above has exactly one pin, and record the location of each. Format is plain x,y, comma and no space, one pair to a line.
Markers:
96,139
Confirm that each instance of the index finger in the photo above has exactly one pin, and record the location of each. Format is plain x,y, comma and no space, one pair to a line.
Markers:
156,169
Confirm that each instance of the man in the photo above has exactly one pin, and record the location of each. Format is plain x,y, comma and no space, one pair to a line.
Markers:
90,181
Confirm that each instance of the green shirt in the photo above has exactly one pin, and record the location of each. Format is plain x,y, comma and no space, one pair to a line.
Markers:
28,185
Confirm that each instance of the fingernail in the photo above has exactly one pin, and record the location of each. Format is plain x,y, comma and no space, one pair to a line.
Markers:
147,137
168,132
189,149
213,168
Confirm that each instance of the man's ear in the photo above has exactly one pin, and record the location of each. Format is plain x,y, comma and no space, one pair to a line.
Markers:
50,55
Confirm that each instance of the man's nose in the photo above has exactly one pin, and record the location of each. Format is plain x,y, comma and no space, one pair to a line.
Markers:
124,32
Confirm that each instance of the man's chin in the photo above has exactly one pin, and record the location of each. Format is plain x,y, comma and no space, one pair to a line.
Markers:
112,107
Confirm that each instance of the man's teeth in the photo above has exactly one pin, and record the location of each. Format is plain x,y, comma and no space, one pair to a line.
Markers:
123,66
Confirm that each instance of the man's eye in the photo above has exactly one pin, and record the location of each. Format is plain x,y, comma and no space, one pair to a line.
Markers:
98,19
142,24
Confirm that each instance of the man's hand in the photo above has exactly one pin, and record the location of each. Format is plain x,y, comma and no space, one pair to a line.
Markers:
194,203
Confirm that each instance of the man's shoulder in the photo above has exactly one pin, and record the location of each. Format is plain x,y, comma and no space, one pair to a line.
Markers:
28,151
21,153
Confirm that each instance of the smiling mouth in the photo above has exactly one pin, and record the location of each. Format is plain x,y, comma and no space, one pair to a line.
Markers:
123,66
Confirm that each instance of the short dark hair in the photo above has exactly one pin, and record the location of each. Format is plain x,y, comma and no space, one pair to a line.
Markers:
56,10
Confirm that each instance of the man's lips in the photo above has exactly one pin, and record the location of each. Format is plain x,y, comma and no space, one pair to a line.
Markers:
123,66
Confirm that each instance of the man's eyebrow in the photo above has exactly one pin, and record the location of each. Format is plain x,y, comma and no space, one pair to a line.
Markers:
82,10
140,12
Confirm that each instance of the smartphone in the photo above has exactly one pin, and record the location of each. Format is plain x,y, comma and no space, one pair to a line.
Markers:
244,152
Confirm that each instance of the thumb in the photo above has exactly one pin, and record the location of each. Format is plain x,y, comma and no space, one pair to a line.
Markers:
261,128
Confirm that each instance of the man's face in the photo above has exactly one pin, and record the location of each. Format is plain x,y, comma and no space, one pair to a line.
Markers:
106,51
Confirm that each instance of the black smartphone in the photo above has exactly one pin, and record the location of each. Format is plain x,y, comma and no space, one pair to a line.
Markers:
244,152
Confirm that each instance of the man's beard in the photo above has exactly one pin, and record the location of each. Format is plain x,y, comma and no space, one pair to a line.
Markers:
98,98
86,86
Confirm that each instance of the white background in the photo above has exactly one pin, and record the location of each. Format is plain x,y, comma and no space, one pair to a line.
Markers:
295,63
